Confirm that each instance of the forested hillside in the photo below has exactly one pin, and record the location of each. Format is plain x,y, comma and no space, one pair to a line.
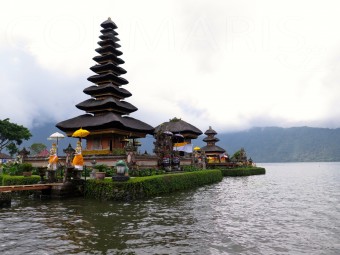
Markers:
274,144
268,144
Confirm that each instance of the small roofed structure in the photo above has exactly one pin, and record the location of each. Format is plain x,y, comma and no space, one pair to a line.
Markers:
173,138
178,126
214,153
43,154
106,112
4,157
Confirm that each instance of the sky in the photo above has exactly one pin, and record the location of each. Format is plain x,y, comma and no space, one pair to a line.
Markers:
228,64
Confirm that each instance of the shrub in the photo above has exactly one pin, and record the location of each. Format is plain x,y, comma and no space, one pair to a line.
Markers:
243,171
8,180
104,168
140,187
25,167
190,168
35,171
118,151
11,169
17,169
145,172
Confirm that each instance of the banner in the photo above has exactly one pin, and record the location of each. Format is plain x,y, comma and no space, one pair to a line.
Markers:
183,147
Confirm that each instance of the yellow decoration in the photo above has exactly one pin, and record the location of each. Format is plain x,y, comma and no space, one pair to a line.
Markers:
53,158
180,144
78,160
81,133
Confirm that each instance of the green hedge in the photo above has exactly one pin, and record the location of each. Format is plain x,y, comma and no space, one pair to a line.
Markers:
243,171
140,187
7,180
145,172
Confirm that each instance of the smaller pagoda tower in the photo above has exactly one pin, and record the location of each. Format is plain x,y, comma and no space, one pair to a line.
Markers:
214,153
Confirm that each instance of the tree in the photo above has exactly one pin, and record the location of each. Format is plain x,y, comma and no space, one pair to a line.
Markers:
12,149
240,156
36,148
12,135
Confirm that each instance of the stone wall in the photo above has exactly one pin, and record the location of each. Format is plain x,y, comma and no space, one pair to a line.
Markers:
142,161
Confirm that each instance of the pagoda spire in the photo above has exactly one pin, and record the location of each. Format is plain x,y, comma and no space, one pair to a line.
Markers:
107,94
211,140
106,112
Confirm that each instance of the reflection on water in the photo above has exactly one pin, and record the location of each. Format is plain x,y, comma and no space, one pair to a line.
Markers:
293,209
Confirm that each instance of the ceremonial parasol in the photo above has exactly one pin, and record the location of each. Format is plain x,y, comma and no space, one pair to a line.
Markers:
179,135
56,136
80,133
167,132
197,148
178,138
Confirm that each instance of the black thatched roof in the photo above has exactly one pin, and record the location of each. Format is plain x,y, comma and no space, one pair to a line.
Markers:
211,139
108,58
108,77
105,49
93,105
108,88
210,131
212,149
109,66
178,126
110,36
105,121
108,49
108,24
107,30
112,43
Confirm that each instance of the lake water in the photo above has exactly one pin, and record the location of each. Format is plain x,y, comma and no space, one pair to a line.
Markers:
293,209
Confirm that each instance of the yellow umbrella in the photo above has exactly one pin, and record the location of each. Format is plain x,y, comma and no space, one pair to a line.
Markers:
80,133
197,148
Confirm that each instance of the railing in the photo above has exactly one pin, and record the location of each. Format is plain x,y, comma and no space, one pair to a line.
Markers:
27,187
95,152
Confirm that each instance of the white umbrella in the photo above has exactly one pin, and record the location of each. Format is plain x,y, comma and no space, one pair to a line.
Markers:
167,132
56,136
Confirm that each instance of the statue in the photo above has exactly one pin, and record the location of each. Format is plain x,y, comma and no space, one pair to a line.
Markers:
122,172
53,158
78,160
176,162
69,151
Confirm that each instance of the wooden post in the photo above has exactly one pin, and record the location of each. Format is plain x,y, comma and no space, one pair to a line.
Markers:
5,199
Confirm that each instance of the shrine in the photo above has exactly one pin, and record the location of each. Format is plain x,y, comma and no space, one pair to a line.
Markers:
214,153
173,139
106,112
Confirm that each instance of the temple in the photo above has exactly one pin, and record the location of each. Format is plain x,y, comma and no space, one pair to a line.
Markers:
178,126
106,112
213,152
173,138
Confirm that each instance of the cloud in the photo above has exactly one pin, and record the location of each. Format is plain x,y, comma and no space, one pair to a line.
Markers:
231,65
32,95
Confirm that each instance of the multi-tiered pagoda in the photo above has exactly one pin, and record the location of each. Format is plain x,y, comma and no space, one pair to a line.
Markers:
107,112
213,152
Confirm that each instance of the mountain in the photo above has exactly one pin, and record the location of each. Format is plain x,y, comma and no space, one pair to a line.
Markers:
262,144
41,133
275,144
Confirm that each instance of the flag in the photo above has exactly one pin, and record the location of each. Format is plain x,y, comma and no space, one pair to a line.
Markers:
186,147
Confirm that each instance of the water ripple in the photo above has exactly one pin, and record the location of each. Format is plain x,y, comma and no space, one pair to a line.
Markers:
293,209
